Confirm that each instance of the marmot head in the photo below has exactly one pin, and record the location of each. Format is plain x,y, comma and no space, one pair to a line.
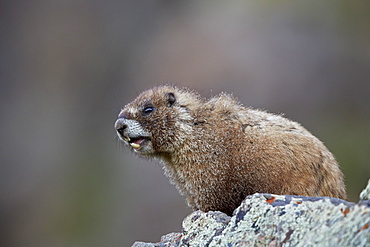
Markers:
158,120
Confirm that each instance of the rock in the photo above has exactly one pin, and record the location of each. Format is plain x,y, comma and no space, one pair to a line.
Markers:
168,240
277,220
365,194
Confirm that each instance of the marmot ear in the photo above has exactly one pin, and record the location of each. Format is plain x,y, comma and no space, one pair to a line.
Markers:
171,99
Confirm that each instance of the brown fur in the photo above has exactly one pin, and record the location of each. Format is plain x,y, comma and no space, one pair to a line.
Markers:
217,152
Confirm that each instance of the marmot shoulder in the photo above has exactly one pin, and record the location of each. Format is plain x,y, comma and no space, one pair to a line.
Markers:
216,151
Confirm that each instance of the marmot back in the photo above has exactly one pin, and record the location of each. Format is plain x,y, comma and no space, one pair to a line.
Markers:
216,152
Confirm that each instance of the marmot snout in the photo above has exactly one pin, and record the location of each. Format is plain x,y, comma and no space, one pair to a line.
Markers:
216,152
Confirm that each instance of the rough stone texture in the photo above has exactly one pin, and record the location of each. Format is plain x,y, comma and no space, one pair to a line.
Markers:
168,240
278,220
365,194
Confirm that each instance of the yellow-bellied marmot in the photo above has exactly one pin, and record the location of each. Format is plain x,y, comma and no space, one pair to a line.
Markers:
217,152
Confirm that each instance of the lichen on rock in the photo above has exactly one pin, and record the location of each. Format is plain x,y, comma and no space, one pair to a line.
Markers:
278,220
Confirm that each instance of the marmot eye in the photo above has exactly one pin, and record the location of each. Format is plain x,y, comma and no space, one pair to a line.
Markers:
147,110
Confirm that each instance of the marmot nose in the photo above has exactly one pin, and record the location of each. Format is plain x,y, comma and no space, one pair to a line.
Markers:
120,126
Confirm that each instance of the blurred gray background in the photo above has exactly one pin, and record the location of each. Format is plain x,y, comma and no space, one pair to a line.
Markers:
68,67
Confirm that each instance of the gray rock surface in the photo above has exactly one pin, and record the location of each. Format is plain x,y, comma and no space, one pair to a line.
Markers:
365,194
277,220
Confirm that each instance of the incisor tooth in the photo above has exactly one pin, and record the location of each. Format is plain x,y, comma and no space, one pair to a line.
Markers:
134,145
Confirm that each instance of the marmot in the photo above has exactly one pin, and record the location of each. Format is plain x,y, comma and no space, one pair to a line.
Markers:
216,151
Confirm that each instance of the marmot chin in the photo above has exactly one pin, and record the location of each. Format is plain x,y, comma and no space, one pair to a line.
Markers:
216,151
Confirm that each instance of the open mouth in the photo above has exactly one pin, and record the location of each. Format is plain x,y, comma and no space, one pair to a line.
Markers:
137,142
